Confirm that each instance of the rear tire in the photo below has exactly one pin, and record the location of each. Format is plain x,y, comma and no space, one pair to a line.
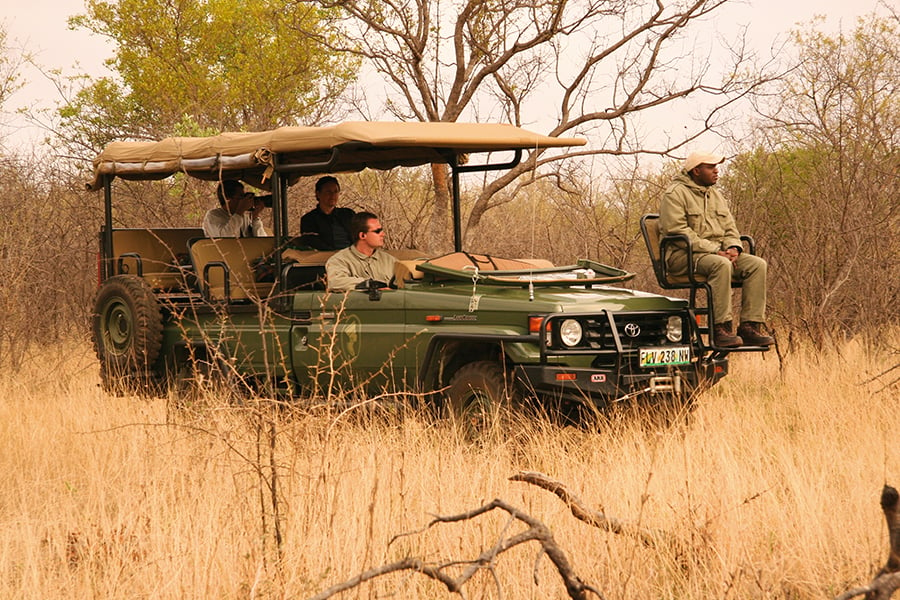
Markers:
127,331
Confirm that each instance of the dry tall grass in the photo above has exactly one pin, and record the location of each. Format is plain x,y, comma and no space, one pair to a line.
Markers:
774,482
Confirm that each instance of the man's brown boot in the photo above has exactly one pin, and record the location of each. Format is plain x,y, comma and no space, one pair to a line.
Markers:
754,335
723,338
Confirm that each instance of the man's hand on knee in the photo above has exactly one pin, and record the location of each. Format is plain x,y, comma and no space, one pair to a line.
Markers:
731,254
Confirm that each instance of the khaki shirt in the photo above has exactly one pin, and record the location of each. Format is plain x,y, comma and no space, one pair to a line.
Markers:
349,267
699,212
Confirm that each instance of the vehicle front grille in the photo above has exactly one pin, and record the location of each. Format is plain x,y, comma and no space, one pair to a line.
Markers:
632,329
637,330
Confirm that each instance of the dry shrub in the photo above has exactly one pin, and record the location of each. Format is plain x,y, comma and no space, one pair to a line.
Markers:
48,254
820,184
830,245
43,256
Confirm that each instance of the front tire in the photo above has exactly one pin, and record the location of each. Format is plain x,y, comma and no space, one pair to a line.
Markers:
480,395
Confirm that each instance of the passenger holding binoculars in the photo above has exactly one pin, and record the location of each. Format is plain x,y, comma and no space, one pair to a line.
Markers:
237,214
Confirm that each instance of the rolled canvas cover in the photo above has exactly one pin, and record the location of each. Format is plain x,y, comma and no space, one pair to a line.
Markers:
249,155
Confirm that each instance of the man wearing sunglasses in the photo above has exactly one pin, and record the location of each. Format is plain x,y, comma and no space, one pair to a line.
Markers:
365,264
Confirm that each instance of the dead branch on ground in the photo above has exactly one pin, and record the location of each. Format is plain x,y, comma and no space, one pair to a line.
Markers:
651,538
536,531
887,581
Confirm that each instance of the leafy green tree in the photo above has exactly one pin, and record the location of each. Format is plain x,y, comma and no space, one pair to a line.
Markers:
191,67
821,189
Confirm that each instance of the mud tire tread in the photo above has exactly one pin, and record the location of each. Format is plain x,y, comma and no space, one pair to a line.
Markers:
485,376
126,327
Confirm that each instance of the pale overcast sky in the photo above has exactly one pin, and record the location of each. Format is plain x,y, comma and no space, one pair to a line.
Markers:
40,27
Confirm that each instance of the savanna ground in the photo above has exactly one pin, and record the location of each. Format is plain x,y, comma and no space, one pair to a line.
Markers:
773,481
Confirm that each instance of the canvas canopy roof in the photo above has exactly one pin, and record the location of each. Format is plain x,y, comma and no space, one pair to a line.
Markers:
252,156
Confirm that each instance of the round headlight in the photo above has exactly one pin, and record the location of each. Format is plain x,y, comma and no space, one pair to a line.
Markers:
570,332
674,329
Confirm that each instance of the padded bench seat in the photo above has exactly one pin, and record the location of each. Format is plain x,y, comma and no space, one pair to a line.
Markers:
157,255
224,267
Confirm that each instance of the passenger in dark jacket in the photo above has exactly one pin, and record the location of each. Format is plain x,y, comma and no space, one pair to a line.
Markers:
326,227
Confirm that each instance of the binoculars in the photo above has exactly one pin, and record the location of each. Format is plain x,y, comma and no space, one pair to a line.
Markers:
266,199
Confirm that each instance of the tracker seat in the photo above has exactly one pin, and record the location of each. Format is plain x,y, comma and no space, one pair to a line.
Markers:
692,281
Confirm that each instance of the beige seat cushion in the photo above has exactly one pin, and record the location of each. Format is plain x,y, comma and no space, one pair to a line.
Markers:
238,254
154,253
307,257
405,270
408,254
463,261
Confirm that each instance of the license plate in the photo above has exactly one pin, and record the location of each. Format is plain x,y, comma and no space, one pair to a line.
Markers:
664,357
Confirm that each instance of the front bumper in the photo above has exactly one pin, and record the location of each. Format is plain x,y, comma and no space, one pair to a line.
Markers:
601,387
606,359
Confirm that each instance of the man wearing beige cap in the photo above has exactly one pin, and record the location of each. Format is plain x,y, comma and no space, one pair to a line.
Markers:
692,206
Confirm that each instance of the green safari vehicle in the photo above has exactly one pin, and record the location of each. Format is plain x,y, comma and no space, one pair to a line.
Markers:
466,330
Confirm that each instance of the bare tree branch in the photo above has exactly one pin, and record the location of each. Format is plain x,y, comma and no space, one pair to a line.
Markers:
649,537
599,63
881,588
536,531
887,581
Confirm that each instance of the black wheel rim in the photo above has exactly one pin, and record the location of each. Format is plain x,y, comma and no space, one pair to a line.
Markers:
117,326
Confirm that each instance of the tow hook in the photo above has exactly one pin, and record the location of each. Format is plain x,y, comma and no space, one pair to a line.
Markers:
658,385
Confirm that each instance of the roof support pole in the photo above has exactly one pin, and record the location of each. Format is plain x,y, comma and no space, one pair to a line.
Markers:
281,184
107,242
454,200
280,223
457,169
